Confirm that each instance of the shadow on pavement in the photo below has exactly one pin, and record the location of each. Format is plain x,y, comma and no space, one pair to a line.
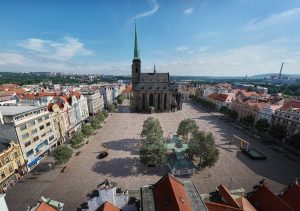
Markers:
126,167
129,145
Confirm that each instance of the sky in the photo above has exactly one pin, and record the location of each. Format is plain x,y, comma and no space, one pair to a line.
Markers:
182,37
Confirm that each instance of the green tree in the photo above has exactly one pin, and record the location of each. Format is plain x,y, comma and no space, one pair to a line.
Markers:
153,151
202,148
151,154
100,116
87,130
151,125
77,139
105,114
262,125
224,110
62,154
277,131
111,108
185,128
248,120
96,124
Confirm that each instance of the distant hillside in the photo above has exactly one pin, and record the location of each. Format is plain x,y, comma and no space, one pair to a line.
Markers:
268,75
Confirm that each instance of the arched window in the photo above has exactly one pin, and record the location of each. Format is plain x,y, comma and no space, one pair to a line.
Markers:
144,101
151,100
165,101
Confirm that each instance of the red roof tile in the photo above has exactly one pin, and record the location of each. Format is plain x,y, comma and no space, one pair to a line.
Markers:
292,196
45,207
264,199
292,103
224,193
170,195
212,206
107,206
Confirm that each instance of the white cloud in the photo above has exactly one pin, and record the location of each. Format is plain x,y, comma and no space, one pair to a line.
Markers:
11,58
153,10
63,50
276,20
207,34
188,11
182,48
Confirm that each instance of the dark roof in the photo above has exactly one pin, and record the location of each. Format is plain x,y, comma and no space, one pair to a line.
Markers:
4,144
264,199
170,194
292,196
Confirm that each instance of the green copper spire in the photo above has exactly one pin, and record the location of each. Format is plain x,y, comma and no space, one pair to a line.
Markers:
136,45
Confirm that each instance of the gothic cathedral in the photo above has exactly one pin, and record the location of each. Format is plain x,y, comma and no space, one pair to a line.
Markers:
152,92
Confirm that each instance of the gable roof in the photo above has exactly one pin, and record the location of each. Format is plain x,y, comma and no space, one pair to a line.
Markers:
170,194
292,196
264,199
224,193
107,206
43,206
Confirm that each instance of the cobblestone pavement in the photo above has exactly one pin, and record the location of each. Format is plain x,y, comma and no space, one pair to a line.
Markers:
121,135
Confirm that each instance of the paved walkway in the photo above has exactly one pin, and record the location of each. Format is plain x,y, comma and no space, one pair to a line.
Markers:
121,134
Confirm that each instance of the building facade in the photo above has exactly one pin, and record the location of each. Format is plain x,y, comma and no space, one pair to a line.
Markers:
288,116
152,91
94,101
32,127
11,163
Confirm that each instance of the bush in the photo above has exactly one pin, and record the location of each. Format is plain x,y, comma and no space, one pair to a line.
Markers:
262,125
277,131
96,124
77,139
62,154
87,130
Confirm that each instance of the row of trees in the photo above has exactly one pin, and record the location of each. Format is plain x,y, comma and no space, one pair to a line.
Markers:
153,150
201,145
210,105
228,113
63,153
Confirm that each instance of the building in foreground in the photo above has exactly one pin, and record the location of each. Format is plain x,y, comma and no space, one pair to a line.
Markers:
11,163
31,127
152,91
166,194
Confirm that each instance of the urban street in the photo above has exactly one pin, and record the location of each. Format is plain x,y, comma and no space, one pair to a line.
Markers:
121,134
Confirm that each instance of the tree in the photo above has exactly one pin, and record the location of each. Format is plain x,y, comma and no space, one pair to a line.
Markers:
233,114
62,154
248,120
277,131
96,124
111,108
105,114
153,150
202,147
186,127
295,141
77,139
151,154
224,110
87,130
100,116
151,125
262,125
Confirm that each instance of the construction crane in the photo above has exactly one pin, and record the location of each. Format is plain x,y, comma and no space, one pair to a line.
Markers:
279,76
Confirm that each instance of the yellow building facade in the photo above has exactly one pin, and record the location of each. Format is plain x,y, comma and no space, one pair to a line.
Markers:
11,163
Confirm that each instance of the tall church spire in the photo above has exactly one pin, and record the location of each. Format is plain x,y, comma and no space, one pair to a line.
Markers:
136,45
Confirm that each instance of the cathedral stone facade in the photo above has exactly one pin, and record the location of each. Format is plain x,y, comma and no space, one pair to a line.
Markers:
152,92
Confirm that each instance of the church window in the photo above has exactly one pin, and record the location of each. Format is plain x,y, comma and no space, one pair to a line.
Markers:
150,87
165,87
142,87
157,87
136,69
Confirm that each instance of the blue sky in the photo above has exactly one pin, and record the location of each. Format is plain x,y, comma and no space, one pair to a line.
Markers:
183,37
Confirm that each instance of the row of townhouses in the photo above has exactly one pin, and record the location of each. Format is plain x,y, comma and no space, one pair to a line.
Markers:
258,103
33,121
